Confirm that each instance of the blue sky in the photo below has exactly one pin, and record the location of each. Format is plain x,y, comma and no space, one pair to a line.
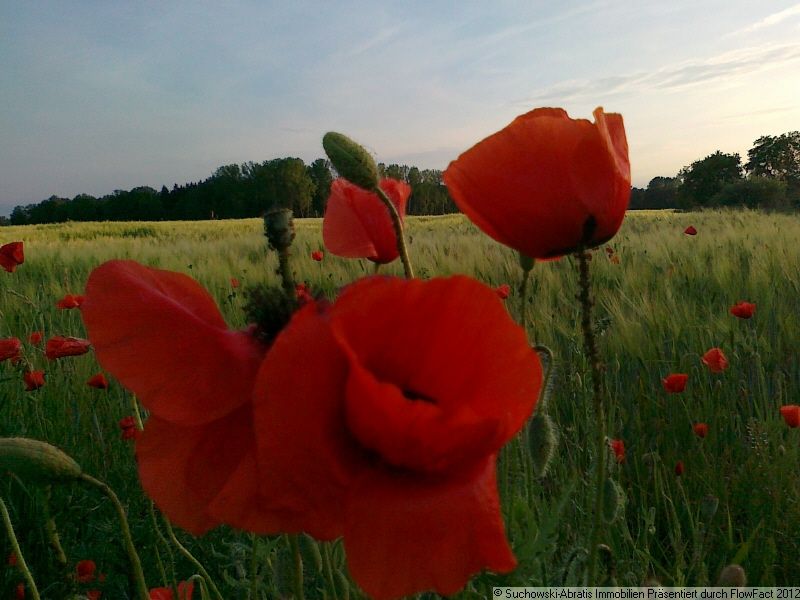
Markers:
100,95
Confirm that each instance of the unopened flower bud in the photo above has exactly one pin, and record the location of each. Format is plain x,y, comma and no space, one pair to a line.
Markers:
36,461
351,160
279,228
542,441
526,262
732,576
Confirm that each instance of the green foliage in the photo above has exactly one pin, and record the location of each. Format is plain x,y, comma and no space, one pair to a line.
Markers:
754,192
704,178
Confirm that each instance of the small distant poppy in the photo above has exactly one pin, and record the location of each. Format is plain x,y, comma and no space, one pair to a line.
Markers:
690,230
12,560
609,250
715,360
93,594
128,428
503,291
546,185
98,381
618,447
33,380
10,348
675,383
35,338
69,301
700,429
357,224
11,256
184,592
317,255
791,414
234,282
303,293
84,571
20,591
679,468
743,310
60,346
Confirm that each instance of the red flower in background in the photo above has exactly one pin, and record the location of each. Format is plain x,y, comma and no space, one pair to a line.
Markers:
399,439
184,592
700,429
357,224
19,591
84,571
618,447
234,282
33,380
128,428
503,291
10,348
11,256
162,336
675,383
715,360
93,594
98,381
690,230
303,294
317,255
679,468
546,185
60,347
791,414
35,338
12,560
69,301
743,310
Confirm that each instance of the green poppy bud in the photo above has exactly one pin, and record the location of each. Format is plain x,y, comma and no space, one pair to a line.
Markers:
279,228
542,442
351,160
526,262
732,576
36,461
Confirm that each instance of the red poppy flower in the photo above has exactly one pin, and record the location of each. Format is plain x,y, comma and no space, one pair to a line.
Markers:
33,380
19,592
98,381
317,255
234,282
546,184
84,571
715,360
618,447
162,336
128,428
399,439
743,310
503,291
184,592
60,346
679,468
11,256
93,594
69,301
303,294
675,383
690,230
791,414
700,429
35,338
10,348
357,224
12,560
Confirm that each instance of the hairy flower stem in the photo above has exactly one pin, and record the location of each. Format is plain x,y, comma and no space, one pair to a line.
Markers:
52,533
294,546
398,231
286,272
197,564
596,366
21,564
133,557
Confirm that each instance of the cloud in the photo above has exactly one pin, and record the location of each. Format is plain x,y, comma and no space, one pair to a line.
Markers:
770,20
670,77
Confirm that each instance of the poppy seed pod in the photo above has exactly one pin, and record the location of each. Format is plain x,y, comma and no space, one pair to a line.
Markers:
36,461
351,160
732,576
279,228
542,442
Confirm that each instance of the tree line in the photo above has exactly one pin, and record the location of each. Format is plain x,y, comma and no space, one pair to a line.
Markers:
233,192
769,179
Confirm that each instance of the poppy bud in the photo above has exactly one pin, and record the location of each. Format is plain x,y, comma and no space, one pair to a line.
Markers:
542,442
525,261
36,461
613,501
651,581
351,160
608,567
732,576
279,228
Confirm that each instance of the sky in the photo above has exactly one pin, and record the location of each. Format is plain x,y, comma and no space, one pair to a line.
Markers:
97,95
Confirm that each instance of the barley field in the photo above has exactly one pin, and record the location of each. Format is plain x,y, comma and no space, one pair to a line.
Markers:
660,305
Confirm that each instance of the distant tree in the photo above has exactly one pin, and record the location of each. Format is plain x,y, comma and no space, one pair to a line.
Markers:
320,173
704,178
754,192
777,157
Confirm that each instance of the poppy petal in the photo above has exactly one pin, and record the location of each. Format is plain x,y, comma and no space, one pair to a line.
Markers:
163,337
407,534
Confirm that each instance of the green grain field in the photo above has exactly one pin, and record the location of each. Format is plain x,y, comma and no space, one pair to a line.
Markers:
658,310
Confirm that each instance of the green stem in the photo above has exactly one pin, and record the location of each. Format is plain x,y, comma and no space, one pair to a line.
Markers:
326,557
286,272
133,557
294,546
197,564
254,567
397,222
21,564
596,366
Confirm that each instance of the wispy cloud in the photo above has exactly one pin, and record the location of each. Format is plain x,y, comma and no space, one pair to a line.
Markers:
671,77
771,20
